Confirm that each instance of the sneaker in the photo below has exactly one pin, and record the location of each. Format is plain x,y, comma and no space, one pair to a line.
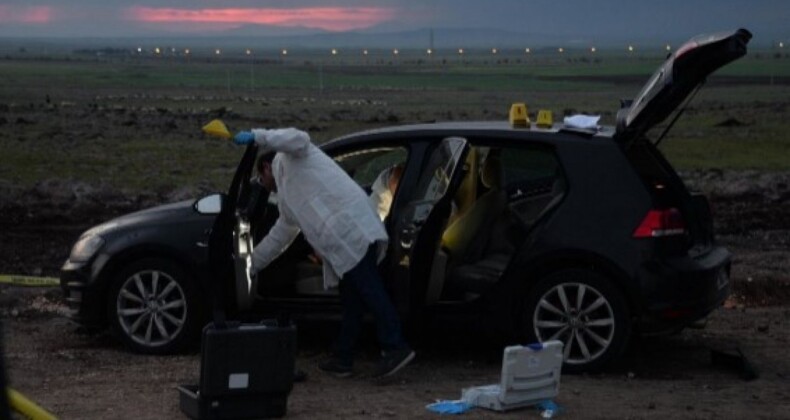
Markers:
393,361
336,368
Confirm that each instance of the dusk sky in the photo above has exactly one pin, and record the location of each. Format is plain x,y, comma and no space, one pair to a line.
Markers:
568,18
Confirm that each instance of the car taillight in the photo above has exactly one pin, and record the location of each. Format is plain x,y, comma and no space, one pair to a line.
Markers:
660,223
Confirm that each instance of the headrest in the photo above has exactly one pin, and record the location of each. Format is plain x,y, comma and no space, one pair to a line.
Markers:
491,174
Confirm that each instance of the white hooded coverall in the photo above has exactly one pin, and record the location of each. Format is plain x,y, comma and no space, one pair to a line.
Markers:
316,196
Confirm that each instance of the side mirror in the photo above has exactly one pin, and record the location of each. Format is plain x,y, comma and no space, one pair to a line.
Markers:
210,204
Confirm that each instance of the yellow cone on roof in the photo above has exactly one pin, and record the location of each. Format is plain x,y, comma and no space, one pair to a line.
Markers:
545,119
518,115
217,128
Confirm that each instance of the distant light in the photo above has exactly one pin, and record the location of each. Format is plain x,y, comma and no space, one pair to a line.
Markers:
527,50
493,51
186,51
285,52
429,51
592,49
157,50
460,51
217,51
173,50
560,50
395,51
781,44
139,50
334,51
630,48
365,52
669,47
249,51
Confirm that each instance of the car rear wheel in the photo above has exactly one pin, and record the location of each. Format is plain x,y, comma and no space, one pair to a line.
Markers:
153,307
585,311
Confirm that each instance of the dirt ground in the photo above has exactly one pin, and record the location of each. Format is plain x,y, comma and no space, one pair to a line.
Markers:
78,376
89,376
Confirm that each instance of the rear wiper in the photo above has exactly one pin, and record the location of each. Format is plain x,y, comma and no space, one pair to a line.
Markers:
679,113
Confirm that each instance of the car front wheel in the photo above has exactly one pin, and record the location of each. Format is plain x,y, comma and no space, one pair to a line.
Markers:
153,307
585,311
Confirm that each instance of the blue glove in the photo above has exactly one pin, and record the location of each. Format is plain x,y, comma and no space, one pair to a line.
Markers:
449,407
244,138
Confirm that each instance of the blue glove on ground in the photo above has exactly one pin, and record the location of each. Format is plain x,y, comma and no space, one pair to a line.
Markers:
244,138
449,407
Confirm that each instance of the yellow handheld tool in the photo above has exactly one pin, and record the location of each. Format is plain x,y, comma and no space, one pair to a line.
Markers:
217,128
26,407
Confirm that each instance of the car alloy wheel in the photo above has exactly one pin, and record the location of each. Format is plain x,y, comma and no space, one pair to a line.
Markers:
585,311
579,316
151,308
155,307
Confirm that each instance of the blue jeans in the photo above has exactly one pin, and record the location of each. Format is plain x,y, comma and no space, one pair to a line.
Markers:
361,288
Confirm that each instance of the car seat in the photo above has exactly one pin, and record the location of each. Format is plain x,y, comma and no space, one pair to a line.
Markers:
467,192
467,239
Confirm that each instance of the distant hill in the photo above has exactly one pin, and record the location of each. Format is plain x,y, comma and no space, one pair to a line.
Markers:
262,37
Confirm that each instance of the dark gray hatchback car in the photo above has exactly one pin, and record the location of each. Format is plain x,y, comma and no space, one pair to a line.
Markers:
582,235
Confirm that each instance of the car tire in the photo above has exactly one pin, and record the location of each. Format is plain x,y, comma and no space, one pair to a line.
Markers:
153,307
584,310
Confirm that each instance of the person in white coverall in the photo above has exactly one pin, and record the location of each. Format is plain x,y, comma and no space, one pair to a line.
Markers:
317,197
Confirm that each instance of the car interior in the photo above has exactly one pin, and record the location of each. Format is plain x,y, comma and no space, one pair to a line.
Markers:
493,208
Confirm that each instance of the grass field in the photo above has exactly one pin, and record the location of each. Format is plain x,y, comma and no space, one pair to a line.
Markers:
135,122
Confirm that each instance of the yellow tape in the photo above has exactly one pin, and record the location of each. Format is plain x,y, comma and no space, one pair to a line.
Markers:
29,280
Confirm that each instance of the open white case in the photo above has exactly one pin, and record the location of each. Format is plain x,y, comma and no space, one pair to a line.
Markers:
530,374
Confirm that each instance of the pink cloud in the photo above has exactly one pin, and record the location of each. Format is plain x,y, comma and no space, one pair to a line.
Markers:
328,18
26,14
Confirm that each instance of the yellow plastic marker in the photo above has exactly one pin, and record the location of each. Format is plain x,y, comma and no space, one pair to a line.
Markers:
217,128
545,119
518,115
17,280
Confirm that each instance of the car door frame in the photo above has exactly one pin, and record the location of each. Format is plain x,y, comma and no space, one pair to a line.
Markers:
412,247
222,258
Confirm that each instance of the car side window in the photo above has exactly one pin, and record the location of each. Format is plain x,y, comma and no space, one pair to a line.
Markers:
533,180
378,171
365,166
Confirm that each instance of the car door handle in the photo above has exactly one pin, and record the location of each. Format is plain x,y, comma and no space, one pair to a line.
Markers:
407,237
204,244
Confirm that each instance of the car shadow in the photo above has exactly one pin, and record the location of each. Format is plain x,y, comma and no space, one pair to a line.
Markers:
682,356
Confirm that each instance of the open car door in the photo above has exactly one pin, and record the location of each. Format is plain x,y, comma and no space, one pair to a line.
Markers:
231,243
419,224
683,72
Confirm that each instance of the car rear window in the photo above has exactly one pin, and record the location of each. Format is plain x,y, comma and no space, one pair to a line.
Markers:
533,180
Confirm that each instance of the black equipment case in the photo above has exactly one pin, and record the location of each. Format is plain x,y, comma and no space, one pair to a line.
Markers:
246,372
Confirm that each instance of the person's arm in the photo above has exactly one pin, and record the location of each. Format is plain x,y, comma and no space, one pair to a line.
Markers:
287,140
274,243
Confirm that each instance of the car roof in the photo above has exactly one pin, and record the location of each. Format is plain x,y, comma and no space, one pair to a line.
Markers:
558,132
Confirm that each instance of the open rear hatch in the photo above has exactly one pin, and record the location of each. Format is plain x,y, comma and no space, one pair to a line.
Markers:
680,220
682,72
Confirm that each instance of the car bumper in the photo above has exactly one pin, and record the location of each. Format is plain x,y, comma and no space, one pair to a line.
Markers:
679,291
82,294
